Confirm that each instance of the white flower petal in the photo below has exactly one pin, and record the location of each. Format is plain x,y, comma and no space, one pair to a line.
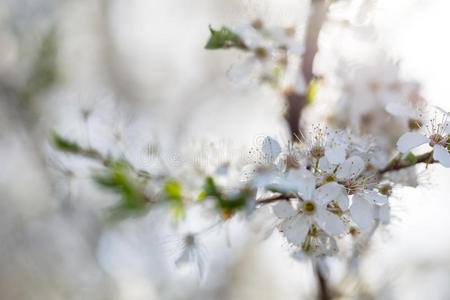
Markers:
331,191
329,222
375,197
410,140
304,181
283,209
362,212
295,229
441,154
248,172
270,149
383,213
184,258
335,154
325,165
399,110
342,200
351,168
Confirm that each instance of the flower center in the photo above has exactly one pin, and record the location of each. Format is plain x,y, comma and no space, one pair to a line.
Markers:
261,52
351,186
437,139
330,178
292,161
189,239
309,207
317,152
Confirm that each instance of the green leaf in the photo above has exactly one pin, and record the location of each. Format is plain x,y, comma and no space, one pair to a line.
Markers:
234,202
201,196
64,144
411,158
117,179
173,191
210,188
313,87
223,38
225,202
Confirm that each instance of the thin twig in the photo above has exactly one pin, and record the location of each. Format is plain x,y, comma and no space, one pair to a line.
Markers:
398,164
277,198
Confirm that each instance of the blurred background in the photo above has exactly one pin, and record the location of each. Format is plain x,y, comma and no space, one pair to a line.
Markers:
129,77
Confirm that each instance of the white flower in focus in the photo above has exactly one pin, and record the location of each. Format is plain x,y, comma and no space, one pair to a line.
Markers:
311,210
347,171
266,163
325,143
270,150
363,201
316,245
367,206
437,136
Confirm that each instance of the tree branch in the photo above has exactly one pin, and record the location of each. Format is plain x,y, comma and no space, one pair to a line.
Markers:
295,101
277,198
398,164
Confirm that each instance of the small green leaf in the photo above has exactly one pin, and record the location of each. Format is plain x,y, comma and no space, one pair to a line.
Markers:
223,38
64,144
211,189
411,158
225,202
117,179
201,196
312,90
173,191
234,202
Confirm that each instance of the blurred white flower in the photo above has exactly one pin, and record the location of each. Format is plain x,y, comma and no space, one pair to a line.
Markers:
192,253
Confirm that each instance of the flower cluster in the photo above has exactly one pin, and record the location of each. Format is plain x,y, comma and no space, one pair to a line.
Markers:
332,188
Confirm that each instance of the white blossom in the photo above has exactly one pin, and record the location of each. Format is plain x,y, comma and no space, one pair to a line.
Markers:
437,136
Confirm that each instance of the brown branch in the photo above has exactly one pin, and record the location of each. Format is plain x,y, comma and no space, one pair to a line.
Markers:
398,164
277,198
295,102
